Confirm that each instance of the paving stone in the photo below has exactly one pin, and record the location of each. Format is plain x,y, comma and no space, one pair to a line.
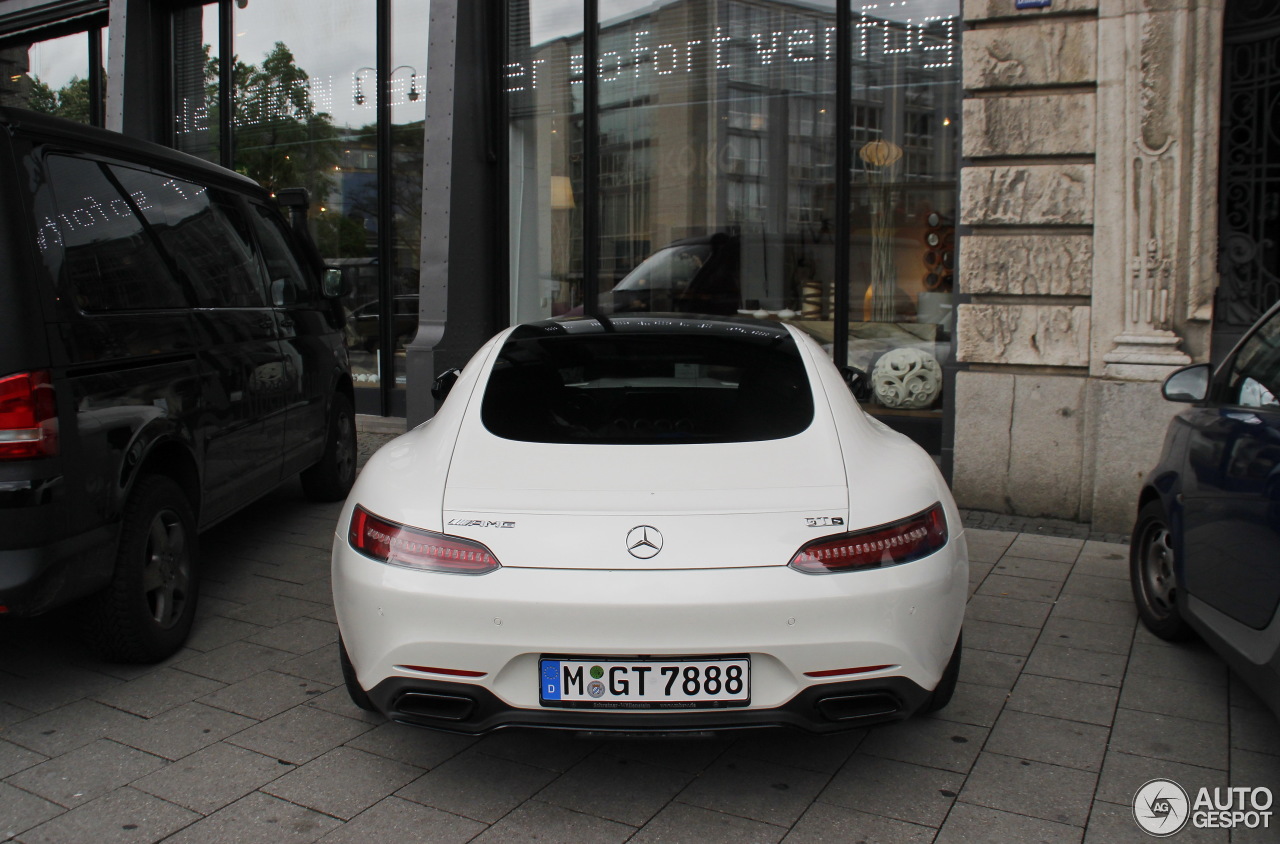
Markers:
125,816
973,704
927,741
1022,588
1191,661
969,824
1255,730
1070,699
679,823
212,632
894,789
1076,664
1251,770
274,610
988,668
1055,549
1095,586
1198,701
999,638
423,749
212,778
86,773
317,592
987,545
542,749
1099,610
681,754
14,758
157,692
300,636
1113,824
1088,635
234,662
21,810
1123,774
68,727
179,732
979,571
257,818
10,714
1115,566
343,782
404,822
337,701
542,822
320,665
264,695
824,754
1009,611
477,786
1035,569
1056,741
299,735
1023,787
759,791
51,684
1242,696
823,824
621,790
1170,738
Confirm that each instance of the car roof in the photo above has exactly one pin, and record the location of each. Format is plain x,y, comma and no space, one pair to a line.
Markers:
742,328
25,123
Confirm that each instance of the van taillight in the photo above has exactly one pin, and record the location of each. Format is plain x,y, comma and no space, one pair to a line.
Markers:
28,416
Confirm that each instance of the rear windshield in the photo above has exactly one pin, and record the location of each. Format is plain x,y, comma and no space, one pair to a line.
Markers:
647,389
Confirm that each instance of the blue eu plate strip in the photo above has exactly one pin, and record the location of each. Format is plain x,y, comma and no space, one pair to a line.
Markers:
551,679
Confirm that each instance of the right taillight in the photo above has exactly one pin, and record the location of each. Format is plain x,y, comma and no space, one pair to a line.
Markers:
887,545
28,416
400,545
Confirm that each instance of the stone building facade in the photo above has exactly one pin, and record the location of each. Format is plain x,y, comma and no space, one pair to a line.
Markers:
1088,247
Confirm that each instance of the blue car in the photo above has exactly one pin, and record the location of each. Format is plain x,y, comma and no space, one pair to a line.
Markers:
1205,556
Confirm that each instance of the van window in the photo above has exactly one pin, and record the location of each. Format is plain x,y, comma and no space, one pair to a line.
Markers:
286,281
204,233
93,242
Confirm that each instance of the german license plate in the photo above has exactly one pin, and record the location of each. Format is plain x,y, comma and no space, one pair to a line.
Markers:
585,683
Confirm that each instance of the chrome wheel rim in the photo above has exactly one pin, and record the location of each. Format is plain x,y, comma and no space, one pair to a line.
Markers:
1158,584
166,575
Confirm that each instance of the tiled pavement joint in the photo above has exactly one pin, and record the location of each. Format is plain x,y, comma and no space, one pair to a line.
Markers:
1065,706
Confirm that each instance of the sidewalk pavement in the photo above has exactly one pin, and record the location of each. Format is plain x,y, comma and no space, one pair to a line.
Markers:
1065,706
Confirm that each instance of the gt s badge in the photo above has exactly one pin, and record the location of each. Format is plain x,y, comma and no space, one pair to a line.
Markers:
823,521
481,523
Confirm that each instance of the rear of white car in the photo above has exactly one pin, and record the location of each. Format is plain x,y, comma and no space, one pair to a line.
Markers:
649,525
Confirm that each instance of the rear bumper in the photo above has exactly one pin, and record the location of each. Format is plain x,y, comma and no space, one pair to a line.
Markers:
36,579
473,710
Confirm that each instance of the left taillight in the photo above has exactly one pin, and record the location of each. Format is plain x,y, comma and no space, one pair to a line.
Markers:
28,416
400,545
887,545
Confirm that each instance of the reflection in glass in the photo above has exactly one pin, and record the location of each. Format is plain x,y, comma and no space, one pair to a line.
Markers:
196,54
51,77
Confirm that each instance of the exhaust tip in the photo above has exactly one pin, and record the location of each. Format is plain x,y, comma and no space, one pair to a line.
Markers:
858,707
442,707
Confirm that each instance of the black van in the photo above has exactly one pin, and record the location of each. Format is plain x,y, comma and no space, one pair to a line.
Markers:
170,349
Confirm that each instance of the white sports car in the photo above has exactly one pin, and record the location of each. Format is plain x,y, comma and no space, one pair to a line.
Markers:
650,524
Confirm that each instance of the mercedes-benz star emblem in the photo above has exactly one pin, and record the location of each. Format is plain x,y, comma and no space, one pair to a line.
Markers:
644,542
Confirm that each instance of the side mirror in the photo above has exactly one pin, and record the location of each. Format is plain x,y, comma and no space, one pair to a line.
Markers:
1189,384
859,383
444,383
334,284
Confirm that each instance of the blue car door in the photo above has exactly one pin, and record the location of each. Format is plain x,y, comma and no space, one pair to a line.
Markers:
1231,486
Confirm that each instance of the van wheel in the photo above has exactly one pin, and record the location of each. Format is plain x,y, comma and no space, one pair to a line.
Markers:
946,688
358,695
1152,575
332,477
145,613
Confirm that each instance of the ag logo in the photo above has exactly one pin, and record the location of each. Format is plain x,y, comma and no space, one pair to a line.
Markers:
1161,808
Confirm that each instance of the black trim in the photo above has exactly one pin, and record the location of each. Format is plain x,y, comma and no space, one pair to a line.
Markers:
591,159
844,176
386,210
226,82
52,20
473,710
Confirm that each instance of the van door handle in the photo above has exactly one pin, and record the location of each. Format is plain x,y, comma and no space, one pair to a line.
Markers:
266,322
286,323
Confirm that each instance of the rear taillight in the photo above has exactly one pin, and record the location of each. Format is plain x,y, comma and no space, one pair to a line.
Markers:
399,545
28,416
887,545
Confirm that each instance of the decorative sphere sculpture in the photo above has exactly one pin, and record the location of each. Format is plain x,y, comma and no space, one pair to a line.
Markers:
906,378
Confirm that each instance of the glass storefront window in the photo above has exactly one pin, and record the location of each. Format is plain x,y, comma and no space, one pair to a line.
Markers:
715,157
197,51
54,76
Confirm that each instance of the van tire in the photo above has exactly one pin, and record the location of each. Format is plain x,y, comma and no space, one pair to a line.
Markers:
332,477
145,612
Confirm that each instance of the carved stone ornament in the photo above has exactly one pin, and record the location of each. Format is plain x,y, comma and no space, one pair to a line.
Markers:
907,378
